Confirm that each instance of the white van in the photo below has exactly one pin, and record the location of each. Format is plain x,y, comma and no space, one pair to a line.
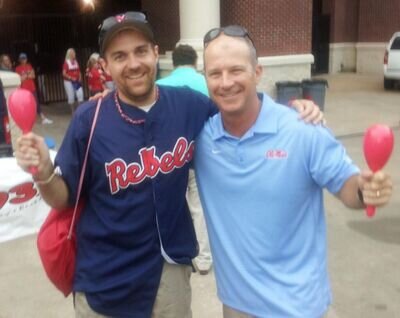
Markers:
391,62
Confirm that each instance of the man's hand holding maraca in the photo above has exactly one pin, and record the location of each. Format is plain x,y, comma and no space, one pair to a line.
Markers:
366,189
376,188
32,151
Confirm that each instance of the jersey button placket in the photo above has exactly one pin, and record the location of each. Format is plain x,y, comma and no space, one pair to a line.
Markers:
148,132
149,141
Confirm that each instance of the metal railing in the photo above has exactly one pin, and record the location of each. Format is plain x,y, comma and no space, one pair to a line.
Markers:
51,88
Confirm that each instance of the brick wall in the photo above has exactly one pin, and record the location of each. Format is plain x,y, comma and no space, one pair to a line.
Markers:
278,27
164,18
344,20
378,20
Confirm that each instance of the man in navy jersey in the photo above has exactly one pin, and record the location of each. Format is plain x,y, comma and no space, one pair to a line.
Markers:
135,236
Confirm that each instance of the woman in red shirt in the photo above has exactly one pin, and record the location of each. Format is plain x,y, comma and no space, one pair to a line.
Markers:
72,78
108,82
94,74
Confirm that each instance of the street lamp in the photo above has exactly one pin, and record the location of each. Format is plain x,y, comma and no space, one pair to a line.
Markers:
89,3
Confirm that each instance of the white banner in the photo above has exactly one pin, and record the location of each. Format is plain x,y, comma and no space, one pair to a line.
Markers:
22,209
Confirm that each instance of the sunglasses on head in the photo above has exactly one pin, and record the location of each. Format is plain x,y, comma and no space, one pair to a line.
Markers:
128,16
231,30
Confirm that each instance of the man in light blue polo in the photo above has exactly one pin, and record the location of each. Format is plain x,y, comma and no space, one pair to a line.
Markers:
184,59
261,175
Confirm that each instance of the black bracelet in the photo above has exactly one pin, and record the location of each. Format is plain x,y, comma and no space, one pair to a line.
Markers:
360,196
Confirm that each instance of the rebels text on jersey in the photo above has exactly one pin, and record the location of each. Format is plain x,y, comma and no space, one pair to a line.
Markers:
121,174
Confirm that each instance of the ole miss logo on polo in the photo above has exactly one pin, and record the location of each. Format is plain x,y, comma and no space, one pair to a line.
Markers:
121,175
276,154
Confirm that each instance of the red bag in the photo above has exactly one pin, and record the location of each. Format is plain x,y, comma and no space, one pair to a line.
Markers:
56,244
56,241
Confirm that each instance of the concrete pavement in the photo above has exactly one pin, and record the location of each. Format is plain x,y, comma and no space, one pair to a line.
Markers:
364,254
354,102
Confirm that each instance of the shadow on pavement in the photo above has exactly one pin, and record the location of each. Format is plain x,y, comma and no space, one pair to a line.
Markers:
383,229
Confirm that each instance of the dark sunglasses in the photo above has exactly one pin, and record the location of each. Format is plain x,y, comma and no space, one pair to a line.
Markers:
231,30
108,23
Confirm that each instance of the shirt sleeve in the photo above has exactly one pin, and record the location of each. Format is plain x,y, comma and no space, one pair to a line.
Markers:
329,164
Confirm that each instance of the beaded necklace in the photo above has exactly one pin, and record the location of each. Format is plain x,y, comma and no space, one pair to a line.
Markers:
125,116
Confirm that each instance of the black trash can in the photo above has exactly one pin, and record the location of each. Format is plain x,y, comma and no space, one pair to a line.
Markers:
314,89
287,91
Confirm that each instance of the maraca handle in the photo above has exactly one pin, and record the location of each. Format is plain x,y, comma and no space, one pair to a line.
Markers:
33,170
370,211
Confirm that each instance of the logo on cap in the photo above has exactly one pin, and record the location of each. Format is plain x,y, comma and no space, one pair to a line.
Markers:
120,18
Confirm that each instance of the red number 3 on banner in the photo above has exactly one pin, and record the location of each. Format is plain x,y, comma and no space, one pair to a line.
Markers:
3,199
20,194
23,193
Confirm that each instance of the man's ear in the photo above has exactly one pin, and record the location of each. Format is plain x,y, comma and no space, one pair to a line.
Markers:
156,51
104,64
259,73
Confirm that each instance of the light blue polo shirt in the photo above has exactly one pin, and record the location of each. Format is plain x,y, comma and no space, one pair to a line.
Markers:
186,76
263,202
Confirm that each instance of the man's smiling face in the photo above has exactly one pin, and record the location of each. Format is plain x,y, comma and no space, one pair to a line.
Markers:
131,60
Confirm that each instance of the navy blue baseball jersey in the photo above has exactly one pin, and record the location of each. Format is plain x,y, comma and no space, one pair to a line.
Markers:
136,214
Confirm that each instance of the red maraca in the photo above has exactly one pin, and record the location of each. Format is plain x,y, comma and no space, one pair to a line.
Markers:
378,146
22,107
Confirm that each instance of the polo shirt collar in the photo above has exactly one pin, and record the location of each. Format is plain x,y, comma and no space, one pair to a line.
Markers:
266,122
184,70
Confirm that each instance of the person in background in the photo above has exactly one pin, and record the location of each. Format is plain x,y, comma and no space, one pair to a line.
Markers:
5,63
108,81
72,79
27,74
184,59
261,174
94,74
6,149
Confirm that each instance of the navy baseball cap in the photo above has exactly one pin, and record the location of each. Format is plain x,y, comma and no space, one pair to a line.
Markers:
132,20
22,56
